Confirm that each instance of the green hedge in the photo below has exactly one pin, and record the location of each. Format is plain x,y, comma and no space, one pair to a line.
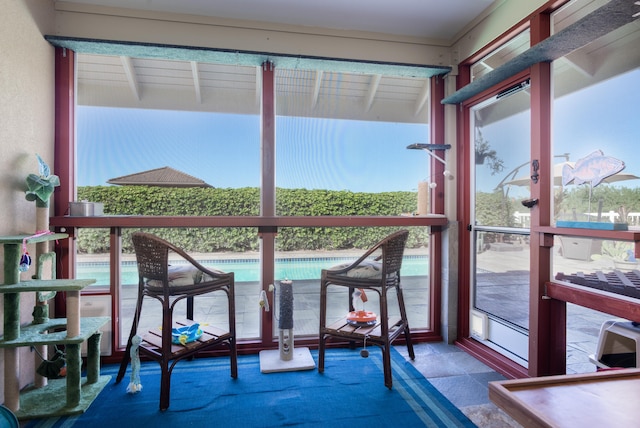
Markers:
159,201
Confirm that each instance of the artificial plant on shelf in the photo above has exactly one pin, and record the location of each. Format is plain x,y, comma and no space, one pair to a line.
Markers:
40,186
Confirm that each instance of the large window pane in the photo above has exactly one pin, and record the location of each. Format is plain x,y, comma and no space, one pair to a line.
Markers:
595,111
196,140
501,262
502,279
209,309
336,156
92,258
502,171
304,269
599,118
341,150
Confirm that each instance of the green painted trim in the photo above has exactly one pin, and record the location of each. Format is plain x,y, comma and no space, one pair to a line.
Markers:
243,58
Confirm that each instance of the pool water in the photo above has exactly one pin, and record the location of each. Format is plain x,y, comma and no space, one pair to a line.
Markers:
248,270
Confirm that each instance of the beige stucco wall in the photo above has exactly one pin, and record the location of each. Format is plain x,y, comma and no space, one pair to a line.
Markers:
106,23
26,126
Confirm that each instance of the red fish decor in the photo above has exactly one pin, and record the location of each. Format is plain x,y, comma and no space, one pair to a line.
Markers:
591,169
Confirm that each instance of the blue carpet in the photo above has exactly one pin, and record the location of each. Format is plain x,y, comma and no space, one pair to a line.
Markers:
350,393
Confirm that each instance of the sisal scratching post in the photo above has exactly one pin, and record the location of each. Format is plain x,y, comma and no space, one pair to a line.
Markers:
73,313
41,310
423,198
285,323
286,357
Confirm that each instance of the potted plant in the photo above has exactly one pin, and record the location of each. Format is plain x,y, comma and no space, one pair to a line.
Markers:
620,253
484,152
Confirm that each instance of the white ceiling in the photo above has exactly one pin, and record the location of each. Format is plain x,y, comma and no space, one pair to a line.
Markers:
139,82
434,19
135,82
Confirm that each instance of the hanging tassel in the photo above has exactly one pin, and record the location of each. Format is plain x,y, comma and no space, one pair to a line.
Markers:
25,260
134,384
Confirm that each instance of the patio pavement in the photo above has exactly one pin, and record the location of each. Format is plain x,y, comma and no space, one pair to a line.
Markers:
505,280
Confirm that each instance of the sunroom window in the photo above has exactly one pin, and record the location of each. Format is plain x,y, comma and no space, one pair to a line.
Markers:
161,137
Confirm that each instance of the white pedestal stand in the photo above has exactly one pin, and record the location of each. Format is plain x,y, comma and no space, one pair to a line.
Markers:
286,357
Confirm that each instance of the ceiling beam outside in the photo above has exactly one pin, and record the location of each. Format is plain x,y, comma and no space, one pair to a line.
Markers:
258,84
130,72
422,98
316,88
196,81
373,89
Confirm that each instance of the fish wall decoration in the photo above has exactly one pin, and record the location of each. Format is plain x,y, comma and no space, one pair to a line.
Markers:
591,169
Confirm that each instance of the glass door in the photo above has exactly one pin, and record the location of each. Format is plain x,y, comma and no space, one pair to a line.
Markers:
500,222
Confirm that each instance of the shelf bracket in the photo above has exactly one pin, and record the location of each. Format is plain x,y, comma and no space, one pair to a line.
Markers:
429,147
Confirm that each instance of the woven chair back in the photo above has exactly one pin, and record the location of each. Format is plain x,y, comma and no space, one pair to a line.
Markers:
393,250
152,255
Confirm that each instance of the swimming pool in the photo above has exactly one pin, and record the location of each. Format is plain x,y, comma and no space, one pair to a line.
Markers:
248,270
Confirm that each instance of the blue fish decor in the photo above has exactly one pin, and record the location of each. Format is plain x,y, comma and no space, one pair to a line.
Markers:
591,169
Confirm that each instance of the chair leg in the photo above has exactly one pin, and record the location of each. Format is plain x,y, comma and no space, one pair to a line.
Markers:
233,349
384,328
386,364
125,362
165,373
321,349
165,384
407,338
233,355
323,325
405,321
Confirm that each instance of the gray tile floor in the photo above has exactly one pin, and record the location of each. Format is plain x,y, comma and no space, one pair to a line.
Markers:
463,380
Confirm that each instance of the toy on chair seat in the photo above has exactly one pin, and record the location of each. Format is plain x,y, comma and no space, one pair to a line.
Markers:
186,334
362,317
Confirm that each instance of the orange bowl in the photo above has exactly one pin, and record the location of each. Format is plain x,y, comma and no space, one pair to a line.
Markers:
363,317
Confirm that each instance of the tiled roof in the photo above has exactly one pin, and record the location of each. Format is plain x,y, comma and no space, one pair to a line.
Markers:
163,177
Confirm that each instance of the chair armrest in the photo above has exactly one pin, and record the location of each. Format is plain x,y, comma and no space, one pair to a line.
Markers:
196,264
359,261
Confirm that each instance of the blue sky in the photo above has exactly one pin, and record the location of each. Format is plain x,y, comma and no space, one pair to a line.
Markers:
224,149
602,116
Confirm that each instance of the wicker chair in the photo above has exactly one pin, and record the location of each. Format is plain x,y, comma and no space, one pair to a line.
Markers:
380,276
158,280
